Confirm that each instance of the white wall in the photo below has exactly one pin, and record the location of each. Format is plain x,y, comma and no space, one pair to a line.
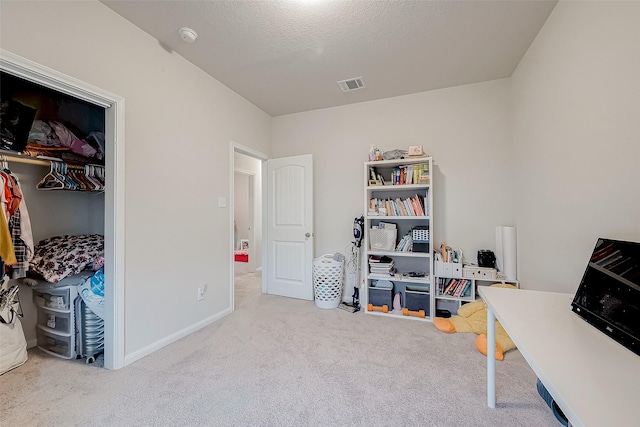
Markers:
253,167
467,131
576,138
179,121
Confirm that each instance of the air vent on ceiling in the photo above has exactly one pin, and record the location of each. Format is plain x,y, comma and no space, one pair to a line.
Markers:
351,84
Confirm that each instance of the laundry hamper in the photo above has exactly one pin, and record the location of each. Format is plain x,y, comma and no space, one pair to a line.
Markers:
327,281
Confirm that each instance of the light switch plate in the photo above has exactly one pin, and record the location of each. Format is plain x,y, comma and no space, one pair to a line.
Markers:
222,202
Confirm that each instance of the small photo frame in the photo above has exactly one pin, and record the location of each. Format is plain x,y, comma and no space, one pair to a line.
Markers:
244,244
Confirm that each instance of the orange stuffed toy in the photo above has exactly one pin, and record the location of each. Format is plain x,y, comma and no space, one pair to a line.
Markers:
472,317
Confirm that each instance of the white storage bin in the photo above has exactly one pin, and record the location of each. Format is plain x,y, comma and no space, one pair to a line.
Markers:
482,273
439,268
456,270
56,320
327,281
382,239
448,269
56,344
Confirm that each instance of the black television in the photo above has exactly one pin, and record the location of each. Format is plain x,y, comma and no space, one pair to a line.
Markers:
608,296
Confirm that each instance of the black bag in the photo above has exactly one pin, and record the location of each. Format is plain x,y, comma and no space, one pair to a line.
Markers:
15,123
486,258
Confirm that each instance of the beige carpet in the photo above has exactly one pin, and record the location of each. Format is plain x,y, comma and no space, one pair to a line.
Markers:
282,362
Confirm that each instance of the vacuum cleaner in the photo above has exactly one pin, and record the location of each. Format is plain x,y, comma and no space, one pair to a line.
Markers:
354,266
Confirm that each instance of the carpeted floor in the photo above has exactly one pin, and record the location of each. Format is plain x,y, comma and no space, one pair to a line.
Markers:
282,362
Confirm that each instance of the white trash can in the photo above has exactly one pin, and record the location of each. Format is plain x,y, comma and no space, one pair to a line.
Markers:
327,281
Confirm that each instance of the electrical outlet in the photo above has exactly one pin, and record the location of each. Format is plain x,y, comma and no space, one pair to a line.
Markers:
201,289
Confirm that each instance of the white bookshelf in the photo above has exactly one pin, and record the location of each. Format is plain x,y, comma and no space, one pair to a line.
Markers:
405,262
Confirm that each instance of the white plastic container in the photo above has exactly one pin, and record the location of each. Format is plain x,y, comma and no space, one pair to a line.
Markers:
382,239
327,281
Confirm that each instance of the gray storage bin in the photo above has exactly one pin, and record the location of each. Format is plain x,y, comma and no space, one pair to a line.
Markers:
417,300
380,297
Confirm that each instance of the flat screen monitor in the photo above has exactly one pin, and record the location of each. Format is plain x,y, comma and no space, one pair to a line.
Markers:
609,294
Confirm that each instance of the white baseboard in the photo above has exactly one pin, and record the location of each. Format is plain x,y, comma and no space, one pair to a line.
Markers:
139,354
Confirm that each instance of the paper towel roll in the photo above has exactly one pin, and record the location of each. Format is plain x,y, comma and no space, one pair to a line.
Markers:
506,252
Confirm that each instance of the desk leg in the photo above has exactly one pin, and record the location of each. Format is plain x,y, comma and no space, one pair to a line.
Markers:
491,359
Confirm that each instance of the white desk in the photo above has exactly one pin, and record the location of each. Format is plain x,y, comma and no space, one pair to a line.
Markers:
592,378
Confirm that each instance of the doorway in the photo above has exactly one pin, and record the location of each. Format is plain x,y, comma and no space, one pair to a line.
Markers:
246,221
243,218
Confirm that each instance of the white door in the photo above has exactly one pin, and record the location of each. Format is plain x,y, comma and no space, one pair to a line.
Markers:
288,251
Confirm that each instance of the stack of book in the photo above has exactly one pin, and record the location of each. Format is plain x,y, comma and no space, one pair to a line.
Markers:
412,174
405,244
381,265
454,287
411,206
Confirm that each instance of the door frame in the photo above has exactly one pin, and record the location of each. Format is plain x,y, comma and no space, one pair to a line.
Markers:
114,220
234,148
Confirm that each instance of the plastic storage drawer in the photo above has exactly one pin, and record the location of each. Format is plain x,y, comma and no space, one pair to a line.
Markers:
56,320
56,344
55,298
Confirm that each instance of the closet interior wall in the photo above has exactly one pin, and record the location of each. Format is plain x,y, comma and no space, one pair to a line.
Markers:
53,213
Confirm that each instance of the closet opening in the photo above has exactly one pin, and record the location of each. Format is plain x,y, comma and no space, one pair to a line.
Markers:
69,163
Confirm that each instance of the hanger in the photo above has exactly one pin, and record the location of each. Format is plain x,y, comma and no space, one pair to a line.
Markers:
96,174
52,180
88,174
77,172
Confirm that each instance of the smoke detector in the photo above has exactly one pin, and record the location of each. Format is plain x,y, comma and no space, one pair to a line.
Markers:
351,84
187,34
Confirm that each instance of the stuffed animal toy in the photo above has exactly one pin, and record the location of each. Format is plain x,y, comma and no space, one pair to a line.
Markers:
472,317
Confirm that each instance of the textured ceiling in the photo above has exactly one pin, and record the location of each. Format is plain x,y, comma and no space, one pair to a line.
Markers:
286,56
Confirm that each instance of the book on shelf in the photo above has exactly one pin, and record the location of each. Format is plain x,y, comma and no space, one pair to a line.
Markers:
450,284
405,244
458,288
423,177
381,275
380,259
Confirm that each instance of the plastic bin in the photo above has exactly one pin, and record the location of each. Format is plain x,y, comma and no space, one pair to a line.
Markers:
55,298
382,239
55,320
327,281
420,237
56,344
